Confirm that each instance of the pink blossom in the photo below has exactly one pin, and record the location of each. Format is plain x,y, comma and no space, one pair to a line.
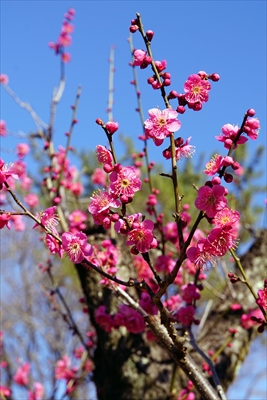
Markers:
262,297
142,236
211,200
104,155
133,321
21,376
252,127
4,219
102,201
229,133
214,165
4,391
3,130
22,150
3,79
31,199
221,240
112,127
139,57
17,223
170,231
99,177
37,393
182,149
161,124
53,244
246,320
77,219
63,370
76,188
75,244
103,319
185,315
196,89
200,255
48,218
124,182
6,171
147,304
173,302
226,217
186,395
164,264
190,292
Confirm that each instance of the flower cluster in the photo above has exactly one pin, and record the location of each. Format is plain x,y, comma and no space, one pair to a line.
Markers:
161,124
64,39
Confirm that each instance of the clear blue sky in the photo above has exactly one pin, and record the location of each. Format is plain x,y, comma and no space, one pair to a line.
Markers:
227,37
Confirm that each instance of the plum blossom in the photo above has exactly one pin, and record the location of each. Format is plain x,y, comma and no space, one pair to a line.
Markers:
76,246
131,319
63,369
139,57
226,217
48,218
247,322
262,296
214,165
104,155
221,240
190,292
4,219
142,237
99,177
211,200
21,376
147,304
112,127
161,124
124,182
229,133
196,89
53,244
182,149
22,150
31,199
103,319
100,204
3,130
200,254
77,219
185,315
3,79
6,171
37,393
252,127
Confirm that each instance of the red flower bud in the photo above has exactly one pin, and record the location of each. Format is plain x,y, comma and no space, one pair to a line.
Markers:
149,35
251,112
214,77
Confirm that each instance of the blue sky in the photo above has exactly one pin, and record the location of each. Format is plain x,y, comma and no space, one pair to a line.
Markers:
227,37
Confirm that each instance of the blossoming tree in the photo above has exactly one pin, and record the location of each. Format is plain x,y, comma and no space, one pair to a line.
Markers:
157,292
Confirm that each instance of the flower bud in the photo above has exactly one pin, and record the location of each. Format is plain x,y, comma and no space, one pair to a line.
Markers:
112,127
228,178
149,35
181,109
99,121
251,112
214,77
133,28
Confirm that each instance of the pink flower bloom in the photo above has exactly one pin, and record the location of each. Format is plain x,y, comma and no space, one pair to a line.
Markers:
104,155
147,304
226,217
31,199
76,246
99,177
132,320
170,231
76,188
17,223
185,315
48,218
21,377
3,130
77,219
182,150
161,124
22,149
37,393
221,240
262,293
173,302
3,79
229,133
102,201
190,292
104,320
6,171
200,255
142,236
164,264
247,322
211,200
139,57
124,182
53,244
4,219
196,89
252,127
63,370
214,165
112,127
186,395
4,391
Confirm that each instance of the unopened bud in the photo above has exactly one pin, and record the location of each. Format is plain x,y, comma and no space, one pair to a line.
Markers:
181,109
214,77
228,178
99,121
149,35
251,112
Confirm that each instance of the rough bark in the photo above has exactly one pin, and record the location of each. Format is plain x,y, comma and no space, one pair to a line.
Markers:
127,367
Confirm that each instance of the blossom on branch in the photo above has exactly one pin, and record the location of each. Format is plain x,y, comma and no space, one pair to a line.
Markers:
211,200
161,124
76,246
196,89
